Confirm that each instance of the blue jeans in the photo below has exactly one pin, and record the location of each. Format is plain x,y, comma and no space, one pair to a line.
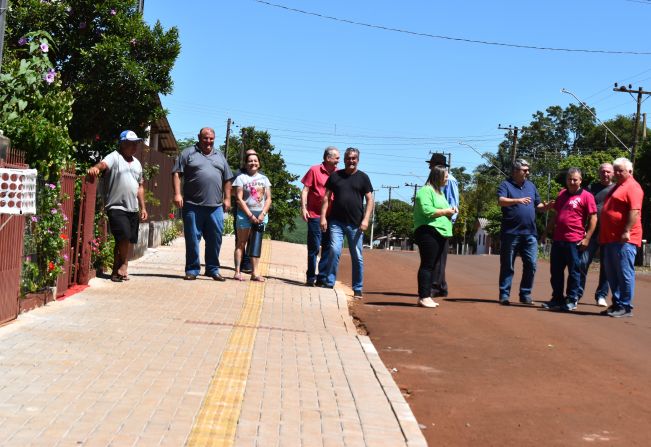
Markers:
565,254
206,221
355,237
526,245
586,259
619,260
317,241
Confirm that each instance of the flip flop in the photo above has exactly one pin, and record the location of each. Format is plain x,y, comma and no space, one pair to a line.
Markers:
258,278
116,278
125,278
238,277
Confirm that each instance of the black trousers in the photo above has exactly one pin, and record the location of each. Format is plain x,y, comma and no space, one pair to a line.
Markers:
439,285
430,247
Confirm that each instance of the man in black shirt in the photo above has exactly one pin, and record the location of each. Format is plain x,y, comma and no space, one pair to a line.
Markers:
347,217
600,191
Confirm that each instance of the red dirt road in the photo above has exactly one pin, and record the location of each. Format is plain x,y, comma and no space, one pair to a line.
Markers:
479,374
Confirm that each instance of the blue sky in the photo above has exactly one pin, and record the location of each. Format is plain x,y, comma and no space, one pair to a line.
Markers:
313,82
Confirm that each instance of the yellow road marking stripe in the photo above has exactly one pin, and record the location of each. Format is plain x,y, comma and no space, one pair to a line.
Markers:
216,423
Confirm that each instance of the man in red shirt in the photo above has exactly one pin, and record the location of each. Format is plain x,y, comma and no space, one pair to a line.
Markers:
620,235
311,200
574,207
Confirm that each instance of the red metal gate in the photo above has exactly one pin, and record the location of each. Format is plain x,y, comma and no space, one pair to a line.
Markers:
12,232
68,179
85,230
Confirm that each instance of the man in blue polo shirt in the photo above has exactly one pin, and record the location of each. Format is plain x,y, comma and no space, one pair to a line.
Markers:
519,200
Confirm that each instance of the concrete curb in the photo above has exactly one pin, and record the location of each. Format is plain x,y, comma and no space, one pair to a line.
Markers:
408,423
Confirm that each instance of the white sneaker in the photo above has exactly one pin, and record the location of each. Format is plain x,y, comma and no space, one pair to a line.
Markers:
602,302
427,302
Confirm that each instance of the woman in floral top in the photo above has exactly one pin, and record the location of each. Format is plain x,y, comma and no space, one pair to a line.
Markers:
253,195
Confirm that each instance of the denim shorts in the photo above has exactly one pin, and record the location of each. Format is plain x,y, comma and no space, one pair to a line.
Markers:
243,222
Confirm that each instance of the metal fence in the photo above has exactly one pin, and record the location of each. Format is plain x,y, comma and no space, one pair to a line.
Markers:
11,249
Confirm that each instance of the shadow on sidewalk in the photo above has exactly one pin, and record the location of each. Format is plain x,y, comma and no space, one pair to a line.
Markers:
410,295
391,303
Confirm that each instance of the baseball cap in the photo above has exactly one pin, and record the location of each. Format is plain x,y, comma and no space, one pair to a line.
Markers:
438,160
129,135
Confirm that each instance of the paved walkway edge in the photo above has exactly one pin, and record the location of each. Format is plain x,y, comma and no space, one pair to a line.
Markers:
408,424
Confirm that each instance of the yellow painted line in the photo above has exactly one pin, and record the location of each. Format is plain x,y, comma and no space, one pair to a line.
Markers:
216,423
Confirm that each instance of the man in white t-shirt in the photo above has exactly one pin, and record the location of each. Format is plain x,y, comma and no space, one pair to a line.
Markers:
125,199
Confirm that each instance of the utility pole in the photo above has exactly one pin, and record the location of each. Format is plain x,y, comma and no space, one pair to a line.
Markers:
390,188
636,132
390,232
242,147
415,189
141,6
514,148
228,137
3,19
643,127
373,219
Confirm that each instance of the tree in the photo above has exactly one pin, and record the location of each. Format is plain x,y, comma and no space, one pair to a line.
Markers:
285,196
394,218
112,63
35,110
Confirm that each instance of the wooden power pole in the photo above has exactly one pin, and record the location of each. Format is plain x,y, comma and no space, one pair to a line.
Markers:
636,130
228,137
514,147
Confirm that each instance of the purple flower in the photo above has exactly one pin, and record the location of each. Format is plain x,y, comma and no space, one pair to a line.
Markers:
65,257
82,25
49,76
53,211
65,218
44,48
22,41
34,219
50,185
113,12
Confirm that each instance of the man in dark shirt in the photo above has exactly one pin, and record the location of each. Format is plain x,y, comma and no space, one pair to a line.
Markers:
519,200
600,191
347,217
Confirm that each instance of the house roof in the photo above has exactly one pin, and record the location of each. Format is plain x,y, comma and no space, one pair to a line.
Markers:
483,222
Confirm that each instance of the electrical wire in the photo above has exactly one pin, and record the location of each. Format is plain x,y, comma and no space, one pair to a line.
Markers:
457,39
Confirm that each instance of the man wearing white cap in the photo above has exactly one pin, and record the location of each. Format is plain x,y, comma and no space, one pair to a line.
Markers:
124,199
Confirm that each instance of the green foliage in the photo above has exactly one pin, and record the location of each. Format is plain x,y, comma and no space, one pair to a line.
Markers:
298,235
108,59
48,234
150,170
285,196
101,246
102,252
229,224
30,278
186,142
395,217
35,109
151,199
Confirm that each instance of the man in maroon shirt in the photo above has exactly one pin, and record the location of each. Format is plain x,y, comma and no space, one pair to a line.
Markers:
311,200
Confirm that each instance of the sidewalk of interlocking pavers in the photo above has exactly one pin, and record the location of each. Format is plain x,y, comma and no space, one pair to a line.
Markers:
131,363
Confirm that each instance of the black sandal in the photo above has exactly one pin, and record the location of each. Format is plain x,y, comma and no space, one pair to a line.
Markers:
117,278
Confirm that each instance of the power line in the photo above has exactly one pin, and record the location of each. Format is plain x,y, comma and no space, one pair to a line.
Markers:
457,39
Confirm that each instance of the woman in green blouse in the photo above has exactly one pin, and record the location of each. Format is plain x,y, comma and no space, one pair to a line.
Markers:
432,226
